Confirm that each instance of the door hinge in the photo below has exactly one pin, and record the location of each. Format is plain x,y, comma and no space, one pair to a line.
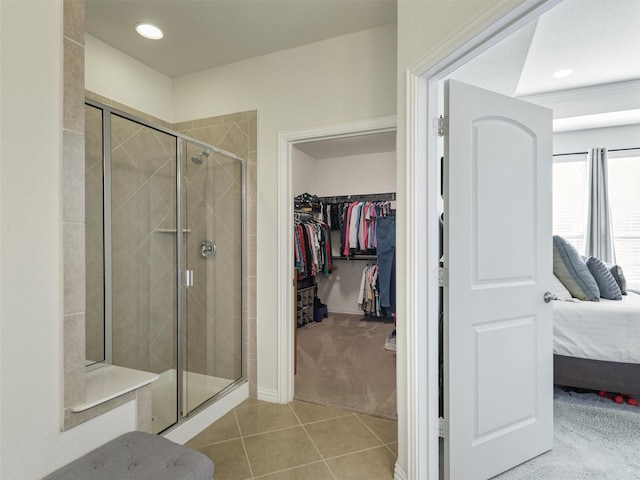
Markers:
443,277
443,126
442,428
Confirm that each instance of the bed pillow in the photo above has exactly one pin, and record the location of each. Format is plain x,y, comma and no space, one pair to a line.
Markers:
559,291
573,272
606,283
616,271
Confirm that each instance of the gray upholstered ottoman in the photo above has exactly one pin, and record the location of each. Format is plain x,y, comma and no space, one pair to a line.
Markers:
139,456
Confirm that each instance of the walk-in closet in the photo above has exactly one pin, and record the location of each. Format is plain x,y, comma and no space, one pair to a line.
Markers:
344,297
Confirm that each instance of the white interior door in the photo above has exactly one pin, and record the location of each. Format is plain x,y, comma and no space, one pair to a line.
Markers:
498,253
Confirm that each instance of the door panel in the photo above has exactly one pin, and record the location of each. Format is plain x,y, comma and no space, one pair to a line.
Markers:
498,343
212,249
143,245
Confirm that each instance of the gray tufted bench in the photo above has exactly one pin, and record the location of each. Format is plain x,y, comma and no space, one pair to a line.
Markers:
139,456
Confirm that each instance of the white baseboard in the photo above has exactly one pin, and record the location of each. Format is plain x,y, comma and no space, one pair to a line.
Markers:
399,473
268,395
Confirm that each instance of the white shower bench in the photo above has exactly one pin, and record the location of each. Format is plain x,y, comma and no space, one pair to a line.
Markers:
139,456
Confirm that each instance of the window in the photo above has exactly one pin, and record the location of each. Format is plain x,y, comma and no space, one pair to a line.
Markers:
624,198
570,198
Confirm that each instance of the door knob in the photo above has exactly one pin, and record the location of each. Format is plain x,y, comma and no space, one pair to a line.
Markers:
548,296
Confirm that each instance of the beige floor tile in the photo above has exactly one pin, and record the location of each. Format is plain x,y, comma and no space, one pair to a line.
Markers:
311,412
275,451
374,464
341,436
315,471
394,448
226,428
386,430
229,459
265,417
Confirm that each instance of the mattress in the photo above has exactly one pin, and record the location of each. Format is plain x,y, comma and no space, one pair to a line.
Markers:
607,330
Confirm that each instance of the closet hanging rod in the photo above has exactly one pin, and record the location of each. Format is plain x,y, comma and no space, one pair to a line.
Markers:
304,216
365,197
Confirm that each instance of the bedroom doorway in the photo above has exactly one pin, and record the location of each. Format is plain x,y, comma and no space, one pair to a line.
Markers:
478,72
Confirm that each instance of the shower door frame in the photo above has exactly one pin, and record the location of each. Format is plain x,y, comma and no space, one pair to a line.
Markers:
181,140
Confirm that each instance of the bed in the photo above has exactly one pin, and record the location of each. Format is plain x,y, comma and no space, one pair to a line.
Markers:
597,344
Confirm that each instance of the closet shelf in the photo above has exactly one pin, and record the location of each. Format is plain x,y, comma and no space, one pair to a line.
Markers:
355,257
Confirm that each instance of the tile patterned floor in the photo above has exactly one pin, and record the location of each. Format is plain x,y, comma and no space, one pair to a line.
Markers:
299,441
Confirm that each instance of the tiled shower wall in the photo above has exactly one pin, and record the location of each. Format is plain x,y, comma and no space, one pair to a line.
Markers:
214,338
73,228
143,243
73,215
143,216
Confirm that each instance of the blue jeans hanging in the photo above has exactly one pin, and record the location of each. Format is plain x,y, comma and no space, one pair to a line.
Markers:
386,250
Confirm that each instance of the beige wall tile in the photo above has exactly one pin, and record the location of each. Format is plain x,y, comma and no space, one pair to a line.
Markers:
252,248
97,97
212,135
73,181
143,409
74,268
73,209
207,122
74,370
182,126
253,132
129,110
236,141
252,377
239,116
73,113
74,20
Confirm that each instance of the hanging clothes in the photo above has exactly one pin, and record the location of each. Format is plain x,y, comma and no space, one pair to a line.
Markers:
386,236
369,294
357,224
312,248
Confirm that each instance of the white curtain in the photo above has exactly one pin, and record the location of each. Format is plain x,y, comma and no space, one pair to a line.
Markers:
599,234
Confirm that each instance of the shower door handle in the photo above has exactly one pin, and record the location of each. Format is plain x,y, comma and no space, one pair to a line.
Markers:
188,278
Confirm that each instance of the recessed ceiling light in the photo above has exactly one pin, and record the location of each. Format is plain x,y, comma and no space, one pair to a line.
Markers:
563,73
149,31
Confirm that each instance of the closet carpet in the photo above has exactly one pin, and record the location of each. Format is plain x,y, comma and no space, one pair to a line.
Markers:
342,363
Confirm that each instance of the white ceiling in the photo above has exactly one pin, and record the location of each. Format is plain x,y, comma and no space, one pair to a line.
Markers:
202,34
349,146
598,39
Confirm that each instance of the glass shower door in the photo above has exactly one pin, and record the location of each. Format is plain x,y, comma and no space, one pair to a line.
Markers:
142,247
212,217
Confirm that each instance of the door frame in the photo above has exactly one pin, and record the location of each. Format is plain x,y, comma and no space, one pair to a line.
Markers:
286,141
421,260
417,366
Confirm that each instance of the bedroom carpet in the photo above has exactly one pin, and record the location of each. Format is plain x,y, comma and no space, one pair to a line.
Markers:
594,438
342,363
